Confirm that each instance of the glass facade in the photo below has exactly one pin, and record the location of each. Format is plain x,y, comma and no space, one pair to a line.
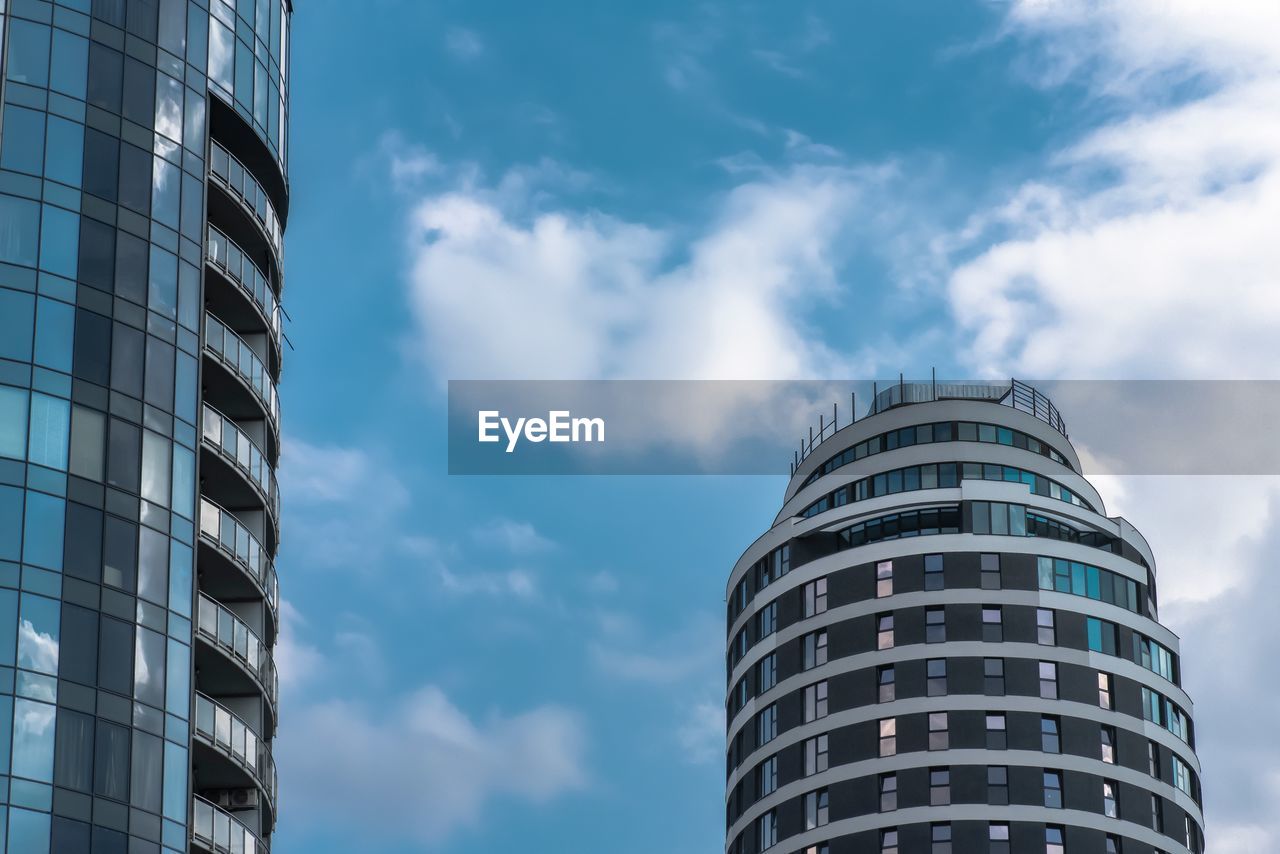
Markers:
138,505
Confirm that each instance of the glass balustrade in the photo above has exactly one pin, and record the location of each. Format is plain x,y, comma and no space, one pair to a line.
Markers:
224,254
218,830
240,181
231,634
226,532
239,357
232,442
220,727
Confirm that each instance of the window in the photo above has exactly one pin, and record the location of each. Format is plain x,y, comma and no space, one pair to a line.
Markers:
767,778
1101,635
1155,658
1153,759
767,620
1105,699
1048,680
888,736
889,841
1181,775
1053,789
990,571
1046,631
1113,844
815,755
1080,579
815,597
885,680
766,673
888,792
768,827
1109,745
936,673
997,731
993,677
815,701
933,576
815,649
884,631
997,785
939,738
1049,739
939,787
940,834
781,561
1157,814
935,625
820,848
816,809
1109,808
992,624
884,579
767,724
1054,840
998,837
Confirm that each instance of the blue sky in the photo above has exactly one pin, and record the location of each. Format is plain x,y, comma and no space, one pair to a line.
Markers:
724,191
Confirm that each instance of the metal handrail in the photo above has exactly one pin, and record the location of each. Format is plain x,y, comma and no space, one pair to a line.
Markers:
226,533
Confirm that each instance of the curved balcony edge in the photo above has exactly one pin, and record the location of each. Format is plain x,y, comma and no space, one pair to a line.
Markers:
242,183
220,528
214,829
214,430
245,365
226,258
218,626
225,731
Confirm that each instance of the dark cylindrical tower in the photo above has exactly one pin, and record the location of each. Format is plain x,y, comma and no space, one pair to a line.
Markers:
944,644
143,193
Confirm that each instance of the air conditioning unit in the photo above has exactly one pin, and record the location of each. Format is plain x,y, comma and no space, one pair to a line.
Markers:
235,799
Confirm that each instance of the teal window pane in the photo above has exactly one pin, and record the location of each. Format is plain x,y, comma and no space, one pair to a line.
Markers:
28,52
19,230
42,531
1095,586
156,468
166,181
175,782
13,422
180,593
10,546
1077,579
184,482
8,638
184,390
153,569
55,326
1044,569
28,831
163,283
38,634
70,67
6,733
32,748
177,698
59,241
17,317
50,426
221,54
64,151
1094,628
22,147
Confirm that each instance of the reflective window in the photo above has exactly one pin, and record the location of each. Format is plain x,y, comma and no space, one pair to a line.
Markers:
119,553
42,530
78,649
145,770
13,412
175,781
38,634
19,227
28,60
816,755
888,786
59,241
149,668
33,732
70,66
73,758
997,731
54,324
88,438
939,735
115,655
28,831
153,566
23,149
111,761
998,785
1053,789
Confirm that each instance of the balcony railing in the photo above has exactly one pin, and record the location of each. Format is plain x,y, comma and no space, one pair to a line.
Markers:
218,830
240,181
231,634
224,254
221,728
233,352
232,442
228,535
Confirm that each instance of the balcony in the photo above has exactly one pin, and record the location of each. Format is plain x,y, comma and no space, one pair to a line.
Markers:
245,759
229,173
224,534
229,350
216,830
244,664
234,447
234,264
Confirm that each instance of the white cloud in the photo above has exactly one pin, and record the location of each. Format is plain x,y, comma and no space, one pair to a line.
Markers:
422,767
701,736
514,582
519,538
463,44
297,662
691,652
499,290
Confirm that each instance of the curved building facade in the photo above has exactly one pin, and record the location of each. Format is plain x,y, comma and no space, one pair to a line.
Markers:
143,196
944,644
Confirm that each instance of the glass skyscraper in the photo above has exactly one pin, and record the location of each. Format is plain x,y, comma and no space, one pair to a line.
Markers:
143,193
943,645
